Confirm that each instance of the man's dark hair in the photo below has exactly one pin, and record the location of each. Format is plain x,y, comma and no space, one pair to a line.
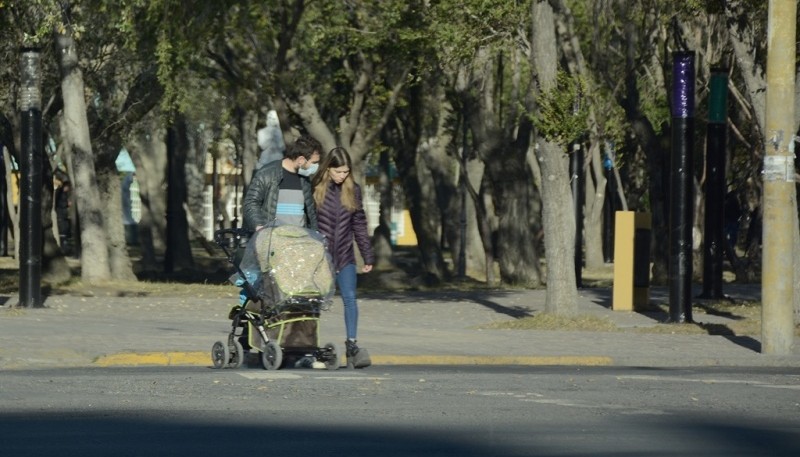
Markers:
304,146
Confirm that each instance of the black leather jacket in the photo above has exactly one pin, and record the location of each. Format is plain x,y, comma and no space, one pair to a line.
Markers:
261,200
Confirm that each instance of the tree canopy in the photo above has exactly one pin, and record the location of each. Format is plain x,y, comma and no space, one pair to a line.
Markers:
458,94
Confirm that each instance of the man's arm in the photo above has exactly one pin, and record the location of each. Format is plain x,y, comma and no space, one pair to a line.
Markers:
253,203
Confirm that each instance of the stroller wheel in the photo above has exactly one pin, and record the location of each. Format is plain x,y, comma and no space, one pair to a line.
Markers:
220,354
237,355
333,356
271,356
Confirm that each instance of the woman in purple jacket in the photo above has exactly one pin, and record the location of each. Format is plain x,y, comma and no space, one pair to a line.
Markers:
341,219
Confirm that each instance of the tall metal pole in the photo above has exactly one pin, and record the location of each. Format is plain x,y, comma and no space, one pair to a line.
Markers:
31,161
716,145
680,192
777,288
238,169
609,209
577,199
3,209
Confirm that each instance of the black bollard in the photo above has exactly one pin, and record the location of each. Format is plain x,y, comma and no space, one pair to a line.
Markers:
713,230
576,163
31,161
3,209
681,175
609,208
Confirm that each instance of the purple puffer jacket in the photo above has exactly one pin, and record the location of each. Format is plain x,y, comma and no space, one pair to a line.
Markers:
340,227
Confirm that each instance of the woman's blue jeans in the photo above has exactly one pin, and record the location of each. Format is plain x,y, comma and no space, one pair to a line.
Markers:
346,280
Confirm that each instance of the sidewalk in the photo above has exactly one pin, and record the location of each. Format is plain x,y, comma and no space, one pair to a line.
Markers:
397,328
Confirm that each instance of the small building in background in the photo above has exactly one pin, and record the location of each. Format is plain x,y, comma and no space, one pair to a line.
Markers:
131,201
402,231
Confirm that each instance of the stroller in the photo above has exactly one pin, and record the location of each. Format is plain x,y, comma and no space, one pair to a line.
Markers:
287,279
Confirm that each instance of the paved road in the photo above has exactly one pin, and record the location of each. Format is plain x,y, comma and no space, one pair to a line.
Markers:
398,411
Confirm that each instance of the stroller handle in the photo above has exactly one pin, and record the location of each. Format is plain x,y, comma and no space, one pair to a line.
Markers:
229,240
232,238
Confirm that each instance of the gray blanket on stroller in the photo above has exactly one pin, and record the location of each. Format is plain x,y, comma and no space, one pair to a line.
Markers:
296,261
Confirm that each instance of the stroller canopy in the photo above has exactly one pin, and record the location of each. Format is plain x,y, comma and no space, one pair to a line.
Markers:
288,261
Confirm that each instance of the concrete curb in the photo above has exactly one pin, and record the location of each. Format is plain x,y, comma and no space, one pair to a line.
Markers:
197,358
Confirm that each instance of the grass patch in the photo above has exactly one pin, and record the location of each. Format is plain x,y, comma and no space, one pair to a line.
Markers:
602,276
672,329
549,321
741,319
116,288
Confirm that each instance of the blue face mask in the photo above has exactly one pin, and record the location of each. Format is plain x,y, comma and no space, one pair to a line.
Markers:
308,171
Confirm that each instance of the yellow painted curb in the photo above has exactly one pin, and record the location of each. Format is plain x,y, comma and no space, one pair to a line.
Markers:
204,359
155,358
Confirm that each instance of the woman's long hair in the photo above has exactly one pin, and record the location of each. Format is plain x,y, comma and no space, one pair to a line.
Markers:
337,157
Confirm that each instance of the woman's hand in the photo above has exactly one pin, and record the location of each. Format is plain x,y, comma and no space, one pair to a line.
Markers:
367,268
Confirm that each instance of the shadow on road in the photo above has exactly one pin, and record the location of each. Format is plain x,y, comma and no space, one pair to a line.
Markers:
490,299
104,433
182,433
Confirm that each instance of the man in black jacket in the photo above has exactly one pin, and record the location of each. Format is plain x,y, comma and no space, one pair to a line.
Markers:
281,193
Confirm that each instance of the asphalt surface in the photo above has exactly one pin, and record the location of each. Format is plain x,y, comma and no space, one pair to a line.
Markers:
414,328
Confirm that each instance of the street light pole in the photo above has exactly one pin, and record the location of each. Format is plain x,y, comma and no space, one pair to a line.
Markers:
30,222
680,191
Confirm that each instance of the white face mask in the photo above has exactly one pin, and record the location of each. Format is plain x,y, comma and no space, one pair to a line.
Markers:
308,171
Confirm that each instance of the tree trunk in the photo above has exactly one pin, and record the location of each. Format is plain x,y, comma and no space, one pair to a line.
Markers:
487,226
55,269
559,230
94,249
746,50
418,187
148,152
406,132
504,152
382,236
595,199
480,258
179,252
248,149
222,218
110,185
558,216
456,194
444,171
195,170
425,216
13,212
515,202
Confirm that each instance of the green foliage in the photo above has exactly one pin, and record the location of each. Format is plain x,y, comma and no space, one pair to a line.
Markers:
701,6
611,119
655,106
461,27
176,32
755,8
341,54
563,111
33,20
